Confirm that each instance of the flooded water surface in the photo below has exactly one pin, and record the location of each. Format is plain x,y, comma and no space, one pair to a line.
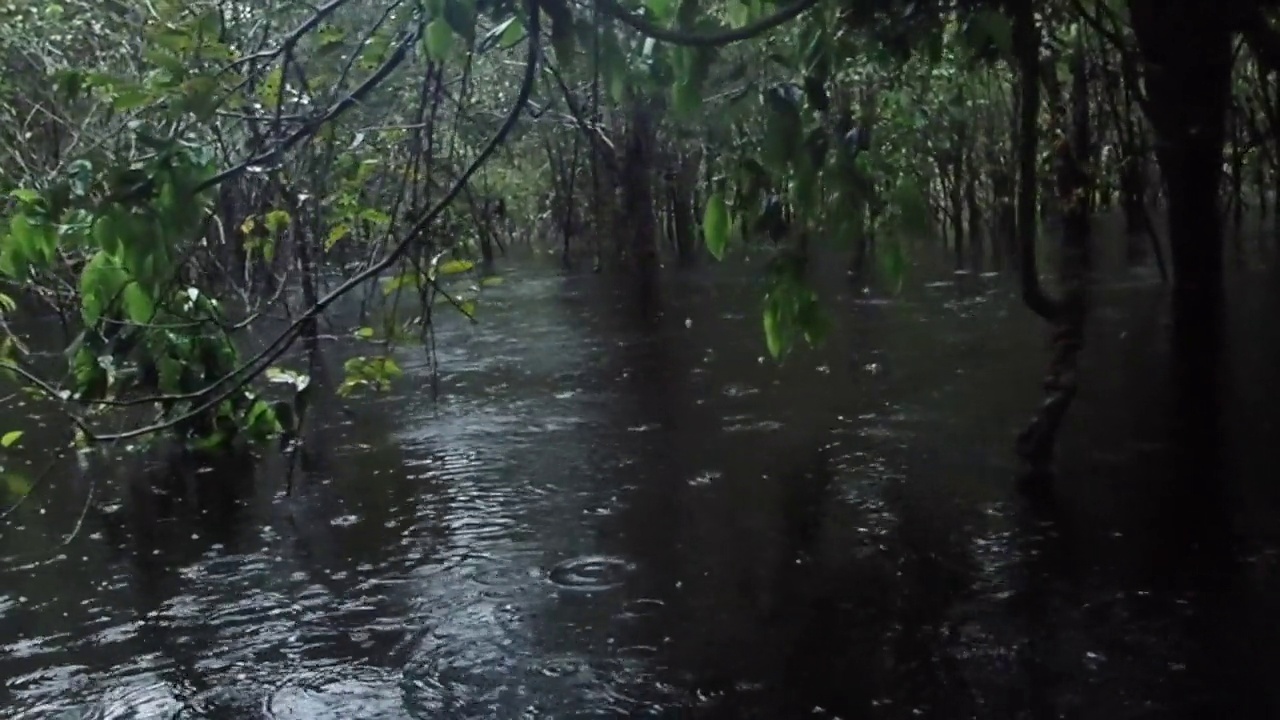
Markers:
610,516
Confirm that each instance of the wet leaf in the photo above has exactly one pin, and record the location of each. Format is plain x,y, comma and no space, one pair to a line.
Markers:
17,486
504,34
455,267
336,234
276,220
715,226
137,304
375,216
772,330
438,40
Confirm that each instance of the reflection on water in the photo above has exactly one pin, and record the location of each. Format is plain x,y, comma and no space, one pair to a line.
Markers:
608,515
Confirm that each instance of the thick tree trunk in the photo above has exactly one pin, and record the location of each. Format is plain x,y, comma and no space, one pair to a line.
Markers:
638,207
1187,49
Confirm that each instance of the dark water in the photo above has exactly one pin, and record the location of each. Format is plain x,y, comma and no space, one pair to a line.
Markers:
604,517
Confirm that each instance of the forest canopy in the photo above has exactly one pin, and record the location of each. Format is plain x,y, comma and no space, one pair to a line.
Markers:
176,174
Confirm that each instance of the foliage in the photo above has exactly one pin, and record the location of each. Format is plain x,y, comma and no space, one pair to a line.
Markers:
175,173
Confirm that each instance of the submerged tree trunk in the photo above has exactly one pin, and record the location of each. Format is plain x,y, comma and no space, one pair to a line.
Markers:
1187,48
639,223
1005,232
1026,37
1035,444
977,254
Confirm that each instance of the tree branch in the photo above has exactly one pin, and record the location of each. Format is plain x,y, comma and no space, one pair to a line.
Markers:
689,39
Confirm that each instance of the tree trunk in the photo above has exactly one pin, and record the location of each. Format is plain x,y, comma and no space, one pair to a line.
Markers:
977,256
638,207
955,209
1187,49
1035,445
1026,39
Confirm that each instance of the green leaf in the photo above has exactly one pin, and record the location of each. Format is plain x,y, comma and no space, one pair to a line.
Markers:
772,330
330,38
137,304
276,220
101,282
364,333
504,34
11,437
212,441
513,34
17,486
269,89
261,420
25,195
715,226
23,234
375,216
438,40
455,267
408,279
129,99
336,234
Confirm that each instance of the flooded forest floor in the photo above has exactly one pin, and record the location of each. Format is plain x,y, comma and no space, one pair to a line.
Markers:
604,516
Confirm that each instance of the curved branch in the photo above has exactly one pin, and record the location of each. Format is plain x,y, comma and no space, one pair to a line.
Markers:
311,128
688,39
291,40
249,370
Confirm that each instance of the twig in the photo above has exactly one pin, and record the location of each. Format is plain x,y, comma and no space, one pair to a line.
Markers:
84,511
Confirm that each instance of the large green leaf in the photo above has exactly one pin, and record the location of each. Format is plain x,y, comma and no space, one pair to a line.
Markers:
101,282
715,225
438,40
